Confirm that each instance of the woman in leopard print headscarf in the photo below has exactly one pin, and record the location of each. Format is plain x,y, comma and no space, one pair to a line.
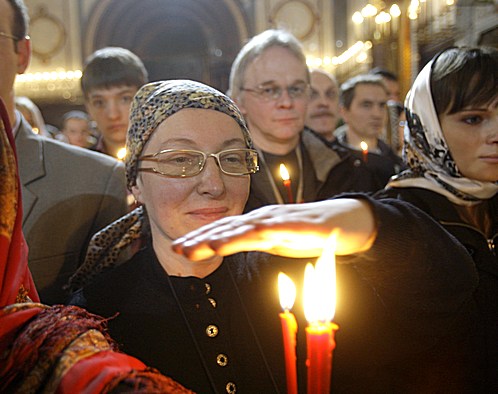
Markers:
58,348
152,105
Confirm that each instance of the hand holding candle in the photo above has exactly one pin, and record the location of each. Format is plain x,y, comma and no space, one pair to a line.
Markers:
319,308
287,182
287,293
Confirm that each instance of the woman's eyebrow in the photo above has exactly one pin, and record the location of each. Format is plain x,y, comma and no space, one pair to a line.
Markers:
478,109
234,141
188,141
177,140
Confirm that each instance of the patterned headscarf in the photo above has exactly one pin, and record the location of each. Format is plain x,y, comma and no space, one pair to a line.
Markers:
431,165
157,101
151,106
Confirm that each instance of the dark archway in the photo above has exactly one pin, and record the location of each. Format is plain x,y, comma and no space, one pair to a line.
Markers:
193,39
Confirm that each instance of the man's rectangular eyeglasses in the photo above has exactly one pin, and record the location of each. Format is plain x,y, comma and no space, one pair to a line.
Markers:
274,92
6,35
182,163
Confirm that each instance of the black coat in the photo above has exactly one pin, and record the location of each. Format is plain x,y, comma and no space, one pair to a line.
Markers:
484,252
372,172
402,323
325,172
329,170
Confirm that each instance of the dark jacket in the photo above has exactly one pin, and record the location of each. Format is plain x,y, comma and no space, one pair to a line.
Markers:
401,321
68,194
483,251
325,173
372,171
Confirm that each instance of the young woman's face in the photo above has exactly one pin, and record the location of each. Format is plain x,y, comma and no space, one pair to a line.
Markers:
177,206
472,137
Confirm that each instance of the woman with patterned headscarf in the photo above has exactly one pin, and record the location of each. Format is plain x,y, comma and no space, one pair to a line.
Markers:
446,203
49,349
189,160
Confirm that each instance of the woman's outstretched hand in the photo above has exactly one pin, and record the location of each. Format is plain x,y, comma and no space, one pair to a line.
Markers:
293,230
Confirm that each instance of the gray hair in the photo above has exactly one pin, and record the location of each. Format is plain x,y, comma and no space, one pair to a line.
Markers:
75,114
324,72
21,18
254,48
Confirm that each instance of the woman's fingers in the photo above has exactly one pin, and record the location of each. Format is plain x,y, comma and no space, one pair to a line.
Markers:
285,239
297,230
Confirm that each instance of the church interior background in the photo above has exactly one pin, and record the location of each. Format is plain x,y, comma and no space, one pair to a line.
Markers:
199,39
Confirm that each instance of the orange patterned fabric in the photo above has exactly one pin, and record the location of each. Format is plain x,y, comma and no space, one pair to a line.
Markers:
64,349
16,283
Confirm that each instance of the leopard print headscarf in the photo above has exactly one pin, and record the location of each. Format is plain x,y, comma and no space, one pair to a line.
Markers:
157,101
151,106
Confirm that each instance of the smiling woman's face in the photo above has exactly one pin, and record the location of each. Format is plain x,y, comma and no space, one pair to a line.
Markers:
176,206
472,137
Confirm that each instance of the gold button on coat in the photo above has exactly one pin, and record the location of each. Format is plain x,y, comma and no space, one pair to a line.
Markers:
231,388
222,360
211,331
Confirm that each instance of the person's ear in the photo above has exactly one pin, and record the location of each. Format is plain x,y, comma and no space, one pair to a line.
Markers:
23,47
137,192
240,103
343,112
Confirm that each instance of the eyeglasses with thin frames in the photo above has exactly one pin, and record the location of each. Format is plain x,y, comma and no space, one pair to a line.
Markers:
272,92
183,163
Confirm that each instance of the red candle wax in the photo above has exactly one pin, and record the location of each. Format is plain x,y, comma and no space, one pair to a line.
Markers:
289,330
320,344
287,184
364,149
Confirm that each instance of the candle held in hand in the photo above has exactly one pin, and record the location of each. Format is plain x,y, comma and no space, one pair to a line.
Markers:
284,173
287,293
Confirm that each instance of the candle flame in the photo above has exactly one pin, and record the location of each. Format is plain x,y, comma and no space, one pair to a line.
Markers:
284,173
320,285
121,154
364,146
287,291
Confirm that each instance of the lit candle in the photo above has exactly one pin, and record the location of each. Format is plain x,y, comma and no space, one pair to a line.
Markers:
121,154
319,309
364,149
287,293
287,182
